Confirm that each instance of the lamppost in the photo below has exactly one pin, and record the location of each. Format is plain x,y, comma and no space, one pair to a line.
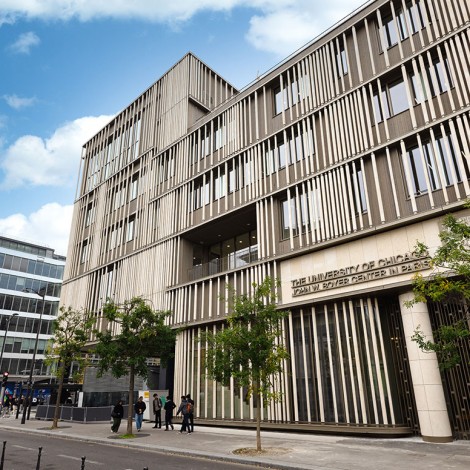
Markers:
2,393
27,403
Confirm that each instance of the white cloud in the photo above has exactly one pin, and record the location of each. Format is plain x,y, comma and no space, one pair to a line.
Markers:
17,102
279,27
24,43
49,226
285,28
54,161
282,32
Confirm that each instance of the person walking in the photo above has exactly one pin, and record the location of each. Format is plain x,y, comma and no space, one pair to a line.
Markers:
117,414
139,409
157,410
169,406
190,406
183,409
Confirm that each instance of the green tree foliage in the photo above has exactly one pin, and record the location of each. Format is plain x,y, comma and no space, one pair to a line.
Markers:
135,333
249,347
71,332
450,279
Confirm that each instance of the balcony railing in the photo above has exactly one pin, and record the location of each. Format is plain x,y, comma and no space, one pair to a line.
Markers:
234,260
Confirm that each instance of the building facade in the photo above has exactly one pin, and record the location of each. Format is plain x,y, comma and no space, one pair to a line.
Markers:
30,284
323,173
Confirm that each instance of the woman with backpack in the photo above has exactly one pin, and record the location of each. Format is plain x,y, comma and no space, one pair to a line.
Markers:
183,409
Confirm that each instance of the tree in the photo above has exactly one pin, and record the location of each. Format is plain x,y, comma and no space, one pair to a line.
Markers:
249,347
450,279
135,333
71,332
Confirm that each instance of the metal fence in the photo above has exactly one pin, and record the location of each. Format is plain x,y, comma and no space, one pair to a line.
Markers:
76,414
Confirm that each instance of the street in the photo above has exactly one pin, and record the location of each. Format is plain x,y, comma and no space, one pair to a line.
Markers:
21,453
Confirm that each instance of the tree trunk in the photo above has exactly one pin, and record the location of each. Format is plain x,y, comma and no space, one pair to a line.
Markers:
258,419
130,406
61,374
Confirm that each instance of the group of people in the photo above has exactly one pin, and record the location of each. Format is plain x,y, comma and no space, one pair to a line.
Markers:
186,408
10,402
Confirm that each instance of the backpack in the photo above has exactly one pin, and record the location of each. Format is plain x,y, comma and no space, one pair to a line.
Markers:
189,407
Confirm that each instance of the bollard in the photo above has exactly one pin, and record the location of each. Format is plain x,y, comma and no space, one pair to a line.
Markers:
3,455
38,465
83,463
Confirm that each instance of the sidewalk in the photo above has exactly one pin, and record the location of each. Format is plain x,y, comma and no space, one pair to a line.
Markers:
285,450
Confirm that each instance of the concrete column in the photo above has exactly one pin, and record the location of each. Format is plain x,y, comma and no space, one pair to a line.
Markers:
427,385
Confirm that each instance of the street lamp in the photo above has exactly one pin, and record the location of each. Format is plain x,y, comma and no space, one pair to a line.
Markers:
26,404
2,393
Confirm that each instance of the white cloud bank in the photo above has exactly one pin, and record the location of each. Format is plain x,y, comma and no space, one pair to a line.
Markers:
50,226
279,26
32,160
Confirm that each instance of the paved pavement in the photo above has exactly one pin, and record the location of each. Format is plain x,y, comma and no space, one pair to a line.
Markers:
283,450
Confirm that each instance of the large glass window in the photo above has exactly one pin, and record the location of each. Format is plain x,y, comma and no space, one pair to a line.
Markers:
398,99
443,81
440,159
393,31
394,100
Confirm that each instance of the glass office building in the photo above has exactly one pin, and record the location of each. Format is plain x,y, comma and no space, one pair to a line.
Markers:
30,284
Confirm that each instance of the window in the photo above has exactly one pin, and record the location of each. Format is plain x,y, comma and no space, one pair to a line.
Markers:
341,61
89,217
412,17
442,156
398,99
360,202
119,197
219,137
281,100
390,32
443,79
233,183
201,193
418,178
394,100
415,16
130,228
220,188
285,98
84,253
134,187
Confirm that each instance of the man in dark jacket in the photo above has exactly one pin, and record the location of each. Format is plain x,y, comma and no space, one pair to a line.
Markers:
169,407
139,409
157,410
117,414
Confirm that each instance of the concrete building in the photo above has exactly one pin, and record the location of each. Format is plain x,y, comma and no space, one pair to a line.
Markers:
30,275
323,173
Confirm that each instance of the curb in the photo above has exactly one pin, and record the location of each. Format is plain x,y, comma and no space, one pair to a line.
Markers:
129,443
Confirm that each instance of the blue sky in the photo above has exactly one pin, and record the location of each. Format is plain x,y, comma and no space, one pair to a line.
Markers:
68,66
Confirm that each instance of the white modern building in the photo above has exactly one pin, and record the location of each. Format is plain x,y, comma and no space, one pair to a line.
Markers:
323,173
30,284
